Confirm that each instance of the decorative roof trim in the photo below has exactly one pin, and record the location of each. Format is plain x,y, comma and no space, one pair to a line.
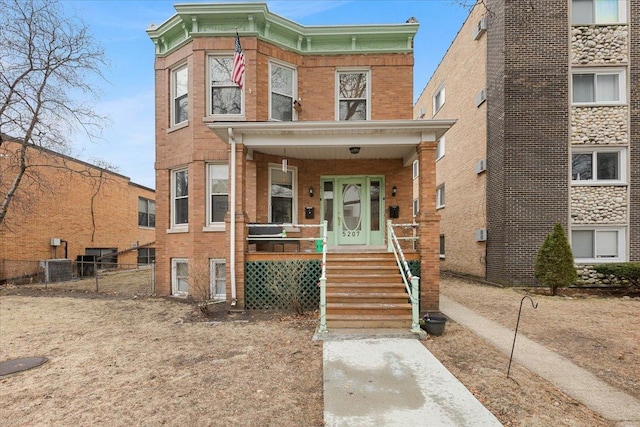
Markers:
255,20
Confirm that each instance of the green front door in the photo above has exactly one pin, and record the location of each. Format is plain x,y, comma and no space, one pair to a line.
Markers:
352,207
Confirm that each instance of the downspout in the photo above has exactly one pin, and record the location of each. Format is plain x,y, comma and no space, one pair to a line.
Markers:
232,244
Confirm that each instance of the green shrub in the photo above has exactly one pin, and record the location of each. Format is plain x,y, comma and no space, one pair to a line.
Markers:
622,271
554,263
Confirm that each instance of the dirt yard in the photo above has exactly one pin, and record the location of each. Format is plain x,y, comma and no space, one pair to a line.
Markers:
115,360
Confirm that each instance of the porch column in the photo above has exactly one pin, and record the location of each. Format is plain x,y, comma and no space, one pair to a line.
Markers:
241,220
428,230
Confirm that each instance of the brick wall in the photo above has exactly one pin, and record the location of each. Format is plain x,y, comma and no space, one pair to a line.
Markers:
58,203
528,179
463,73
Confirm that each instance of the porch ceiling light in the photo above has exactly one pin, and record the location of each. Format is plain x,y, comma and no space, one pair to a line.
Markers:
354,150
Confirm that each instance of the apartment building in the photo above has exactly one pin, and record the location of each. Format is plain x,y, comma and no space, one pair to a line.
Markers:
65,208
546,94
318,129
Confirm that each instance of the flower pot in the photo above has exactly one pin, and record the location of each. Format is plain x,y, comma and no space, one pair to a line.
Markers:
434,325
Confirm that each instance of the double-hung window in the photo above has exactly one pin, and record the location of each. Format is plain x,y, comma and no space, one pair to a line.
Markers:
218,190
440,148
218,279
180,198
440,197
180,277
598,11
179,95
226,97
282,190
604,86
598,244
442,246
602,166
146,212
438,100
282,84
353,95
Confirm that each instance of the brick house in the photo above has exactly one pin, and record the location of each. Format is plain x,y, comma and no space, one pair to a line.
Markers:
320,131
65,207
548,131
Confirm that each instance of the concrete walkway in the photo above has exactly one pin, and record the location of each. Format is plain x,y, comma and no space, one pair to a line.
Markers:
394,382
609,402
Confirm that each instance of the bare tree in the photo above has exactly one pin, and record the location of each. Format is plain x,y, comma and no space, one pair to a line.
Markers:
47,60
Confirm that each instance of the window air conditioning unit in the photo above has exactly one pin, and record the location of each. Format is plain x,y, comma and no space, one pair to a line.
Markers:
55,241
422,112
481,235
481,166
481,97
480,28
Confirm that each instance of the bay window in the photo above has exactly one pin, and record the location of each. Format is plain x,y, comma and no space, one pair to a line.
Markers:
179,95
282,209
282,83
180,198
218,190
226,96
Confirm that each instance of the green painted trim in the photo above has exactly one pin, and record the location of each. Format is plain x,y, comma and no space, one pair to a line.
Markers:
255,20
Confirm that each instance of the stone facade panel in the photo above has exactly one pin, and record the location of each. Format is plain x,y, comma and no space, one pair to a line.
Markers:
599,125
598,205
596,45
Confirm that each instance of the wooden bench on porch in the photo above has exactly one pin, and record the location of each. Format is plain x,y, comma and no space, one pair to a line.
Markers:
270,235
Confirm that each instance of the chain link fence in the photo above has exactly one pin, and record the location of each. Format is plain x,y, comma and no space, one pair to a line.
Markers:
132,280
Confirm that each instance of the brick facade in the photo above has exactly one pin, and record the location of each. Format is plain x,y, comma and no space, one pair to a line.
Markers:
86,206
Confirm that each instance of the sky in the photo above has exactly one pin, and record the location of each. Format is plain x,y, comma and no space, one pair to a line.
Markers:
127,96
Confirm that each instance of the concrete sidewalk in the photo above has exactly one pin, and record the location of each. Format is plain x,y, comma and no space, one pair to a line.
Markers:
609,402
394,382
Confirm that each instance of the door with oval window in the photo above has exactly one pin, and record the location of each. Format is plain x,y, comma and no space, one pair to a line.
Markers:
353,212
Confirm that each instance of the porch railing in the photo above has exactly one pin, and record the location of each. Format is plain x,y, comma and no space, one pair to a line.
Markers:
411,282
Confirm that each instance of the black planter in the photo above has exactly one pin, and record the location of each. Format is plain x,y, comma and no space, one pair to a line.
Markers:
434,325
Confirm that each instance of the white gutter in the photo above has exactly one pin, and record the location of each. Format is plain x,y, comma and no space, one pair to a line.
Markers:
232,244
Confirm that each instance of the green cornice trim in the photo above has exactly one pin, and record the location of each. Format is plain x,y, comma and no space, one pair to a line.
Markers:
255,20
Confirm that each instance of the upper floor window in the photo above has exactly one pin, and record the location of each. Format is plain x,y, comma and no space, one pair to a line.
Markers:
218,189
353,95
416,169
282,83
440,149
598,244
226,96
440,197
179,198
598,11
146,212
599,87
602,165
438,100
179,94
282,187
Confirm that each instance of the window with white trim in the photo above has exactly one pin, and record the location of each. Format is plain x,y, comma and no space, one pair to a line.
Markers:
179,95
598,244
218,191
598,11
226,98
179,198
416,207
442,245
282,89
218,279
601,166
146,212
438,100
353,95
440,197
440,149
180,277
282,191
416,169
602,86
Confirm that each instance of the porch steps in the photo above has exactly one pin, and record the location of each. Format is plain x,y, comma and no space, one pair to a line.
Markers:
365,290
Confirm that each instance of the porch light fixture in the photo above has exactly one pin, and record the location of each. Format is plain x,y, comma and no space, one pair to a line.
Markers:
394,190
354,150
310,191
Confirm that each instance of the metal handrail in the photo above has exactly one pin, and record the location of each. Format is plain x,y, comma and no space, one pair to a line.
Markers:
406,274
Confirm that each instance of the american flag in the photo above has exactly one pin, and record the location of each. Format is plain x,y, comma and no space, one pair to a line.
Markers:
237,73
